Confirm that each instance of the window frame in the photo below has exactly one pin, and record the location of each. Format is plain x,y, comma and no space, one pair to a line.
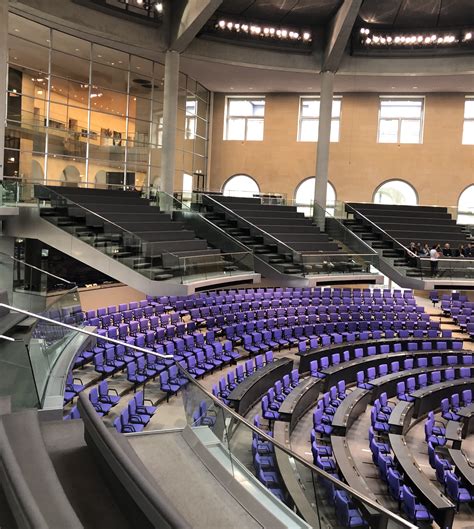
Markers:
468,120
421,119
302,118
246,119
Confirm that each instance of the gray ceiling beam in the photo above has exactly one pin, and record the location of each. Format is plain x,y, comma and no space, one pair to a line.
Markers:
188,18
339,34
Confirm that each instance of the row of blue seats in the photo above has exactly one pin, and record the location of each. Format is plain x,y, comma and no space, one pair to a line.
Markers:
274,398
136,415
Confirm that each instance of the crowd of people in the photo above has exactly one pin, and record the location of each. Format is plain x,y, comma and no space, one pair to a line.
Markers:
436,252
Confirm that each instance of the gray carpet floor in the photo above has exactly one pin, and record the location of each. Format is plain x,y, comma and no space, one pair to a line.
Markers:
80,477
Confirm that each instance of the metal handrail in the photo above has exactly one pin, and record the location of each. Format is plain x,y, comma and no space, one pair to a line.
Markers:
297,457
81,185
83,331
378,228
211,224
345,228
293,252
40,270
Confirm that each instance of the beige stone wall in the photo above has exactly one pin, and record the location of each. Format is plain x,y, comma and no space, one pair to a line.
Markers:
439,169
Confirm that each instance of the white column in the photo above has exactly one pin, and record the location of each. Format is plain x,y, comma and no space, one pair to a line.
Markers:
170,115
3,79
324,136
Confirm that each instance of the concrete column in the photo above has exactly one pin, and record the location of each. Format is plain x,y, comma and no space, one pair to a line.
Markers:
3,79
324,135
170,115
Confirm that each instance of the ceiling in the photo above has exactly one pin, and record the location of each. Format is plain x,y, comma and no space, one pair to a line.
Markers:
231,78
418,13
292,12
395,13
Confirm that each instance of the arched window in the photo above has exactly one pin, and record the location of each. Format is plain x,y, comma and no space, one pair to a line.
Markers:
396,192
304,197
466,206
240,185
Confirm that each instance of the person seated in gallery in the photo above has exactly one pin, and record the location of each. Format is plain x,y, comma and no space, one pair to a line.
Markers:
447,252
468,251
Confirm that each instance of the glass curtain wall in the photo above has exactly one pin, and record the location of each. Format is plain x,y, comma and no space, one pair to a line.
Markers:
83,113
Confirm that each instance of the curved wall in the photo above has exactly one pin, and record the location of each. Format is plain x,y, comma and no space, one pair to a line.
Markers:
439,169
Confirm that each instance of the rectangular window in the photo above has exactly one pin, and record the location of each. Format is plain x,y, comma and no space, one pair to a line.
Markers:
191,119
308,126
244,118
468,128
401,120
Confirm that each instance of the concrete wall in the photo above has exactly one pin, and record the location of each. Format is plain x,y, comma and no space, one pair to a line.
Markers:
439,169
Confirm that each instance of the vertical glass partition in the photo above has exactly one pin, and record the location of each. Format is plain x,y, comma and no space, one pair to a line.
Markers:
232,440
79,112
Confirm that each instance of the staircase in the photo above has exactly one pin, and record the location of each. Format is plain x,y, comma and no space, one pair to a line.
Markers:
393,256
389,229
278,236
125,227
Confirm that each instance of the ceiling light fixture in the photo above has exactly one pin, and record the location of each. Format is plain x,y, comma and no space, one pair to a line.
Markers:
266,32
422,40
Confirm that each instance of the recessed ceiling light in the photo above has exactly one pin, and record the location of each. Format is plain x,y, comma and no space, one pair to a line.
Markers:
250,88
310,87
414,87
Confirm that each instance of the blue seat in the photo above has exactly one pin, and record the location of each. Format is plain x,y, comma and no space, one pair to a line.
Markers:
415,511
454,490
347,514
108,395
395,485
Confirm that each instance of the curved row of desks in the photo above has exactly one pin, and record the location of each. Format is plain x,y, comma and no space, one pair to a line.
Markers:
348,370
248,392
425,400
456,433
316,354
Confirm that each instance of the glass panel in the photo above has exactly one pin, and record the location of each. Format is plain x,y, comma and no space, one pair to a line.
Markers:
401,108
139,108
141,66
235,129
246,107
388,131
310,108
110,77
309,129
410,131
69,92
202,92
240,185
396,192
110,57
27,54
336,108
255,130
26,29
71,45
335,124
71,67
468,132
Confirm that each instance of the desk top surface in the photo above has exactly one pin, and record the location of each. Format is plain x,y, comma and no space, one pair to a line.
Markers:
243,387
